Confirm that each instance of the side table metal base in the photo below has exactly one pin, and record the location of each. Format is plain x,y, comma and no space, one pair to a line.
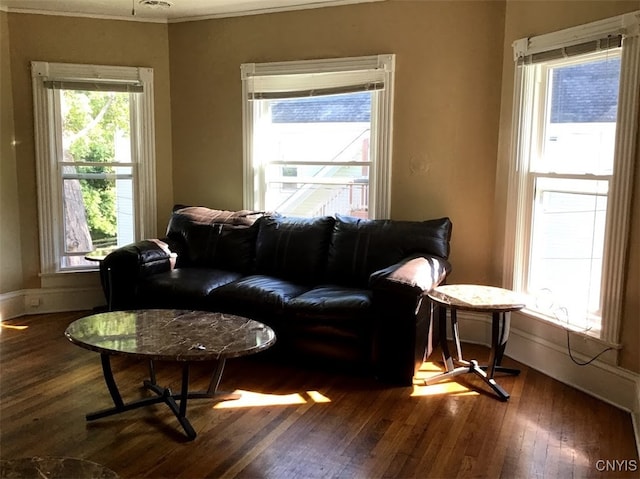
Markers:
472,367
456,366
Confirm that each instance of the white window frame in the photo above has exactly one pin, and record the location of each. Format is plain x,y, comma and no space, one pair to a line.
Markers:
49,181
520,194
325,73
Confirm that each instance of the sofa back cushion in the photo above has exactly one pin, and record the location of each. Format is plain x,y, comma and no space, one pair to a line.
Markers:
294,248
214,238
359,247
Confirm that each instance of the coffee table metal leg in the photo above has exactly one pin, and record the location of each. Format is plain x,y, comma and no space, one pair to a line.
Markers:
120,405
181,412
212,391
184,393
152,372
217,376
105,359
163,394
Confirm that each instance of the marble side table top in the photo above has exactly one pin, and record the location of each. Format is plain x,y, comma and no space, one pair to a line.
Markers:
471,297
54,468
98,254
171,335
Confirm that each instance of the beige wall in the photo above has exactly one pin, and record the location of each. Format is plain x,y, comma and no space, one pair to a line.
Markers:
447,98
453,106
10,248
80,40
530,18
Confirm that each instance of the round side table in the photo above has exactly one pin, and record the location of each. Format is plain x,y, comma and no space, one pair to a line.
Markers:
477,298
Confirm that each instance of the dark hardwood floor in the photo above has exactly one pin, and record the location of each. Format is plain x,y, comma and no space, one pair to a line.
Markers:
299,422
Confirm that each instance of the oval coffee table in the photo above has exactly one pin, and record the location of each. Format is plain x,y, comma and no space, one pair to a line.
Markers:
168,335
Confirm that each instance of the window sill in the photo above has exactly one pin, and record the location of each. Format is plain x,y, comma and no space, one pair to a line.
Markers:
584,346
591,334
88,278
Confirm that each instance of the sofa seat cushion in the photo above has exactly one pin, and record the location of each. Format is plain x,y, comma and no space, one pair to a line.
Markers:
257,294
187,287
331,311
332,301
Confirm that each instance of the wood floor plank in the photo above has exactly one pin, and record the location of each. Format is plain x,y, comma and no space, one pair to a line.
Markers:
299,421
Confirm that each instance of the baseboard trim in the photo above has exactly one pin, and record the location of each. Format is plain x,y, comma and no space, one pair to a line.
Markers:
614,385
49,300
611,384
12,305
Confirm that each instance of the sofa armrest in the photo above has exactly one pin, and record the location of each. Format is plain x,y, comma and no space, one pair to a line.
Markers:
413,276
124,267
404,333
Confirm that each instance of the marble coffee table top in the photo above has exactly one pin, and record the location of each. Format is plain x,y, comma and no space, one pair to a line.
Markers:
171,335
54,468
472,297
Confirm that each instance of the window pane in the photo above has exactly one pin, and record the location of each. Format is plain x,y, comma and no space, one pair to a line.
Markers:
303,145
95,126
97,214
567,248
98,201
569,214
580,123
320,190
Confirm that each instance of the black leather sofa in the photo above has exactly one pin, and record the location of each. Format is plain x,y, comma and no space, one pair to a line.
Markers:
335,289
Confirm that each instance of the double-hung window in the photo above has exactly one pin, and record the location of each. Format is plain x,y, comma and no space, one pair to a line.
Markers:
95,160
575,122
317,136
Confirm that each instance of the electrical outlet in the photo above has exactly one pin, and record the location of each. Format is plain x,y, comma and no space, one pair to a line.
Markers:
34,302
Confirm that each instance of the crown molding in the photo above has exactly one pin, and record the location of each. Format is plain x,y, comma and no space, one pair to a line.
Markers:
264,11
51,13
188,18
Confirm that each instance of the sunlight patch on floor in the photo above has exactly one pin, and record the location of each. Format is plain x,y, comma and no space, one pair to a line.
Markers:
252,399
429,368
447,386
11,326
318,397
